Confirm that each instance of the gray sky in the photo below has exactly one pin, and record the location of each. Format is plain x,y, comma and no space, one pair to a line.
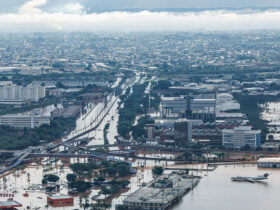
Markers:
80,15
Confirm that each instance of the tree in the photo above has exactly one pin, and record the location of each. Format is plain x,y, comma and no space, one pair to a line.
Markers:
59,85
71,177
81,186
111,171
123,170
163,85
157,170
187,155
44,182
51,178
99,179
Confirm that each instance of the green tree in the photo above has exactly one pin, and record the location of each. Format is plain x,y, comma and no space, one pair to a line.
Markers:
123,170
71,177
81,186
51,177
157,170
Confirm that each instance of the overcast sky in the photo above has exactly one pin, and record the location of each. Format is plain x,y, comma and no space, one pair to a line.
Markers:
91,15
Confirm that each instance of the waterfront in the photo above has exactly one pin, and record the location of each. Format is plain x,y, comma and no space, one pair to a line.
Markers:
217,192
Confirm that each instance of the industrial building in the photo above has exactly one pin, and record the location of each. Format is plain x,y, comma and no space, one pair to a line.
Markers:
269,163
161,193
173,107
240,137
204,109
186,106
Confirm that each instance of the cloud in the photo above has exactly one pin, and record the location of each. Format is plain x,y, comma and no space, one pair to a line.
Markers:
32,7
75,8
71,17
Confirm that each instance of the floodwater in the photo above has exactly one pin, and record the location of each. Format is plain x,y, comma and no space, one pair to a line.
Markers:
217,192
214,192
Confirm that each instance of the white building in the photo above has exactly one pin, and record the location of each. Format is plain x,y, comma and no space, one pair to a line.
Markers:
241,136
13,94
24,120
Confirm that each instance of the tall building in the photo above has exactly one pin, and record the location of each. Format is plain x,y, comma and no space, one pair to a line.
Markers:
14,94
183,132
240,137
150,131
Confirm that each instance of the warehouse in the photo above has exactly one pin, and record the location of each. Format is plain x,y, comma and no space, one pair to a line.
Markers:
269,163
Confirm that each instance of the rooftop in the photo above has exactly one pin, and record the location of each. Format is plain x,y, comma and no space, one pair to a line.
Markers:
9,204
150,194
59,196
270,160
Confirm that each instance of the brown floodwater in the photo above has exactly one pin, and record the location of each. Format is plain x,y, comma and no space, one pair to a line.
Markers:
217,192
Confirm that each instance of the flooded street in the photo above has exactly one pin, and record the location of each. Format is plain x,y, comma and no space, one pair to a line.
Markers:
29,181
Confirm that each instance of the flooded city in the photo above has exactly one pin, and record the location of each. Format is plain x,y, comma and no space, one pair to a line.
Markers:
139,105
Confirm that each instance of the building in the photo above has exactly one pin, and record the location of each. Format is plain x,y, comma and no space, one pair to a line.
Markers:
14,94
269,163
210,131
240,137
24,120
57,92
204,109
150,131
10,205
160,193
231,117
60,201
186,106
173,107
271,146
225,102
183,132
71,111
